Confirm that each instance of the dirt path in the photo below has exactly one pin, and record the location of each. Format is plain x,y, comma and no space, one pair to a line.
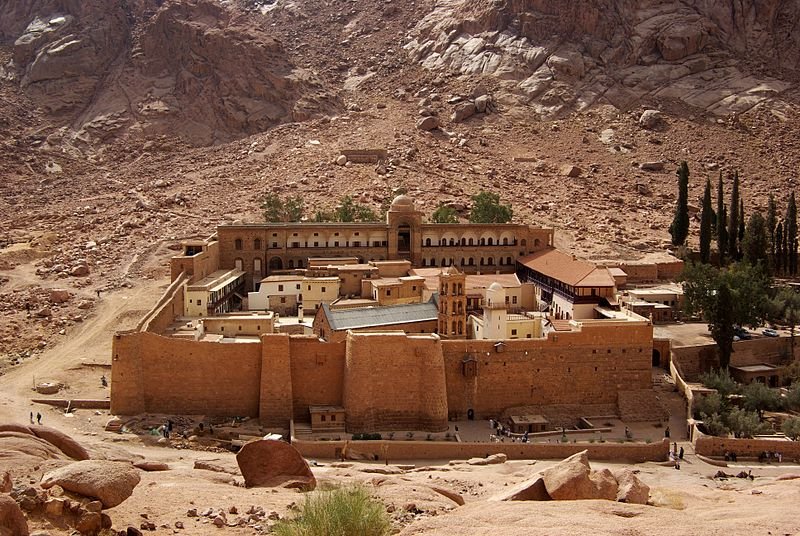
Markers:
82,358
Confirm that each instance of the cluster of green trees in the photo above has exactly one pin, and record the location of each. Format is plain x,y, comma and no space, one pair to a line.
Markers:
738,290
291,209
771,240
745,418
486,208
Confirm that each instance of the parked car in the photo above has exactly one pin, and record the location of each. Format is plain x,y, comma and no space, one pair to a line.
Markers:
769,332
743,334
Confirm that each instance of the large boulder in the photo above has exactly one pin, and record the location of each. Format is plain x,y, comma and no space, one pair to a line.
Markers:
463,111
110,482
530,490
65,443
267,463
569,479
58,439
12,520
631,489
605,484
573,479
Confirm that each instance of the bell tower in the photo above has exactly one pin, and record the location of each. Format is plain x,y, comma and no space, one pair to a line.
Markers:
404,224
452,304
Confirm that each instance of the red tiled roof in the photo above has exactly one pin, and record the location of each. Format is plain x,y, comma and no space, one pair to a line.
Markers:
564,267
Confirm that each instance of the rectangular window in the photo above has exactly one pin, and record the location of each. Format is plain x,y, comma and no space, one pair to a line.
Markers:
283,299
323,289
199,302
316,244
333,418
388,292
275,244
336,244
513,331
322,418
513,299
280,288
309,287
356,244
298,286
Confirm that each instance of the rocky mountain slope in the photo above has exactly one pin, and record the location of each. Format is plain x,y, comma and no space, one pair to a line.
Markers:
191,69
557,57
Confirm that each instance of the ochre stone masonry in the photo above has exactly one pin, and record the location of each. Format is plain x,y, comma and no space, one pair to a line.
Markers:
385,381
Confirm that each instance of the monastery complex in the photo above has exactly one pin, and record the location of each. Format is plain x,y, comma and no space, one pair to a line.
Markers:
366,327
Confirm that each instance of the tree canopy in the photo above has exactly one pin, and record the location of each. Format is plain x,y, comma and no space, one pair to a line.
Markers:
278,209
486,208
444,214
726,298
680,223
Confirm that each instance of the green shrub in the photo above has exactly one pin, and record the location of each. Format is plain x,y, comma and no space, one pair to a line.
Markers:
721,381
791,427
340,512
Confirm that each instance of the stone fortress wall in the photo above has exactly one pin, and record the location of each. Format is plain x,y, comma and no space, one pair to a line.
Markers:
385,381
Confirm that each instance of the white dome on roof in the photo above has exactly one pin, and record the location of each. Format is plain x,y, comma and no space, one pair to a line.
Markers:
495,286
402,203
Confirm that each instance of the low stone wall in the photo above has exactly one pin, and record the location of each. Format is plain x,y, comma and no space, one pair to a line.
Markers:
717,446
448,450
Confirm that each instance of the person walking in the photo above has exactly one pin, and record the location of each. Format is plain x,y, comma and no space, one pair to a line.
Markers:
38,417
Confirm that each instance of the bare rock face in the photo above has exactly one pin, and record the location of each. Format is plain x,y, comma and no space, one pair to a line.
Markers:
110,482
631,489
12,520
194,69
573,479
559,57
267,463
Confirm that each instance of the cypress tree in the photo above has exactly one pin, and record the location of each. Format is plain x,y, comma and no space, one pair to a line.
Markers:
680,224
705,224
791,235
733,219
771,223
722,231
741,226
779,253
755,245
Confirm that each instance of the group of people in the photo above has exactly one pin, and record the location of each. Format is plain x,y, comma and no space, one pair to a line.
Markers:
769,456
38,418
501,432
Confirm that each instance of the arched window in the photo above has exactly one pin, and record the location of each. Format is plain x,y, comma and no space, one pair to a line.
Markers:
442,241
427,241
508,260
501,261
536,243
237,244
300,263
291,263
471,262
462,261
523,242
483,242
482,261
460,327
490,241
238,263
424,262
257,265
491,261
452,242
257,244
505,241
469,242
463,241
455,326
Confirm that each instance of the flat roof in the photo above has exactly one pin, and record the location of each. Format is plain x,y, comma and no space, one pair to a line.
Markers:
763,367
216,280
529,419
325,409
365,317
279,278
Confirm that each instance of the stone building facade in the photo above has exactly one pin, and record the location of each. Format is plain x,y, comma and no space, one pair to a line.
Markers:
261,249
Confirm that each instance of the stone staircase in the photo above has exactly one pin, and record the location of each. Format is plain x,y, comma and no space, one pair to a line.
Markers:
302,430
641,405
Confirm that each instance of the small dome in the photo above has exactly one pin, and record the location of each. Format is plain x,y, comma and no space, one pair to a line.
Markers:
402,203
495,286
